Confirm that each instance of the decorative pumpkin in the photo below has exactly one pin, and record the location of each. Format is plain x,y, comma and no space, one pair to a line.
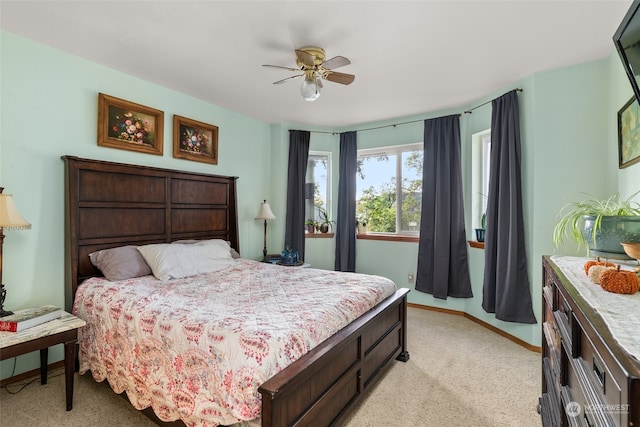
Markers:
589,264
596,271
619,281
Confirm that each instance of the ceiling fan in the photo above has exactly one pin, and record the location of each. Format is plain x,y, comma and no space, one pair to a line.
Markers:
314,69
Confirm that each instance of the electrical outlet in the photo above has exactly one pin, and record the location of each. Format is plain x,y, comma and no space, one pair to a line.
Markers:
410,278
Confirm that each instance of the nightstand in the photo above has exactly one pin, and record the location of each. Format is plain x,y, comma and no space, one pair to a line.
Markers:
300,264
41,337
271,258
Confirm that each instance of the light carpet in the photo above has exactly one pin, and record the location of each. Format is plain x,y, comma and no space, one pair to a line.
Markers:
459,374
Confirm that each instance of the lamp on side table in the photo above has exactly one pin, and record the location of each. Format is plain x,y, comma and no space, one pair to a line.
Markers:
11,219
265,214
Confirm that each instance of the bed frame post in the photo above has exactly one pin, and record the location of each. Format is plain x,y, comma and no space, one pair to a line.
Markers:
404,354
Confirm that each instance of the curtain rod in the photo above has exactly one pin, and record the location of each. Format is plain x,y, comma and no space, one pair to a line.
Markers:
470,110
401,123
363,130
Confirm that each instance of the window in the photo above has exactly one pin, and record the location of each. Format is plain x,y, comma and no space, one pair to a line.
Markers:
318,185
389,189
481,152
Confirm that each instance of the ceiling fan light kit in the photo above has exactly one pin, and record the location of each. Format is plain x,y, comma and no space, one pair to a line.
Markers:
311,63
310,90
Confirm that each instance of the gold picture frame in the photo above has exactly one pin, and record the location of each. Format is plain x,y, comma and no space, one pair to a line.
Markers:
194,140
629,134
129,126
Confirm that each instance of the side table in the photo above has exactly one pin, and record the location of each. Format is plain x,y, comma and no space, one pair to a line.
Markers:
41,337
300,264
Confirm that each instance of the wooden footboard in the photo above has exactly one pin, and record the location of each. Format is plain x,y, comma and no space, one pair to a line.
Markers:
320,388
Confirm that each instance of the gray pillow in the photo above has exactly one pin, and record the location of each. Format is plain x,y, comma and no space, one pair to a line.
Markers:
121,263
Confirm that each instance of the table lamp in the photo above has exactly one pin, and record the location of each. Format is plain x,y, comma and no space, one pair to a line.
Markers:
10,219
265,213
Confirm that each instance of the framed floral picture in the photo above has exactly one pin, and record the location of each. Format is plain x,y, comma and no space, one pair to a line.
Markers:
629,134
129,126
194,140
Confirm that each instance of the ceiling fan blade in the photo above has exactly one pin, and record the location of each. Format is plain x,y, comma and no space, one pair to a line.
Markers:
306,58
285,68
335,62
341,78
287,79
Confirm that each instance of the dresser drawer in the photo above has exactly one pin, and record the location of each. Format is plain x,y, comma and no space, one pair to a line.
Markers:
552,339
587,376
572,409
588,405
564,331
548,305
602,379
549,289
563,310
573,399
551,394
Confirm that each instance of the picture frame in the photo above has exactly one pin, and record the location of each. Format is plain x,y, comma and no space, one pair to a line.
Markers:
129,126
195,140
629,134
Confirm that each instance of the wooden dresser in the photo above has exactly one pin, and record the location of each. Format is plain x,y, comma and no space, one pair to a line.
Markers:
590,367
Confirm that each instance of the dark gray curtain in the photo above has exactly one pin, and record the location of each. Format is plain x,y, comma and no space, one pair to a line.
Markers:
506,282
346,221
298,158
442,251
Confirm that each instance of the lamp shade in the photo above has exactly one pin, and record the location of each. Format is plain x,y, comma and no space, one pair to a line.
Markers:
9,216
265,211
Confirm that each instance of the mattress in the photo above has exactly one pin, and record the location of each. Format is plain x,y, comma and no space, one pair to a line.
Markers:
198,348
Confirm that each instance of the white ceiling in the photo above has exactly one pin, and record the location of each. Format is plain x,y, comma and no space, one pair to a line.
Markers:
409,57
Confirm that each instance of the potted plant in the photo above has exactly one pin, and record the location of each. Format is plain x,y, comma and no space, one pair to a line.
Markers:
600,225
311,225
325,222
361,225
481,231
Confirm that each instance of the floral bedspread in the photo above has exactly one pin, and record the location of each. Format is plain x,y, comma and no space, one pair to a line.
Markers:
198,348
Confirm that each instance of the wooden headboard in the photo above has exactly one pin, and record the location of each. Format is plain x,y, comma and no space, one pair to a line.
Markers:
114,204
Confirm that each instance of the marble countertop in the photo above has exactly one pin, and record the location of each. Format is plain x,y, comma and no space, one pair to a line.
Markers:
620,312
64,323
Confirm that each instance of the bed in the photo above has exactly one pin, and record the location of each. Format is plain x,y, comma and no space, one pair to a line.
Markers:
113,205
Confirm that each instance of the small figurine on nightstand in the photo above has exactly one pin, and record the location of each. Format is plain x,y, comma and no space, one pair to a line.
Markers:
289,256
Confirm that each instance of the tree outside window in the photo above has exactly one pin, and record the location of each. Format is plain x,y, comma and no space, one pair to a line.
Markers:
389,189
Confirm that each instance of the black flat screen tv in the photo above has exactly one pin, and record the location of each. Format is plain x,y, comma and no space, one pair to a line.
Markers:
627,41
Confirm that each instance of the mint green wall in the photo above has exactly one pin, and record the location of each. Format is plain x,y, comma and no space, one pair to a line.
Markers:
569,145
620,92
48,105
49,108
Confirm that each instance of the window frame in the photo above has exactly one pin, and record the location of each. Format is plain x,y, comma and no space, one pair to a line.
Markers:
480,169
328,195
396,150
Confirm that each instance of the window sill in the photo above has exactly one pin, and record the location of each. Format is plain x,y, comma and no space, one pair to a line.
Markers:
476,244
318,235
388,237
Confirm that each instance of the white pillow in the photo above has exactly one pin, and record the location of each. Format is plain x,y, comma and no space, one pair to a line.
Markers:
219,248
234,253
170,261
